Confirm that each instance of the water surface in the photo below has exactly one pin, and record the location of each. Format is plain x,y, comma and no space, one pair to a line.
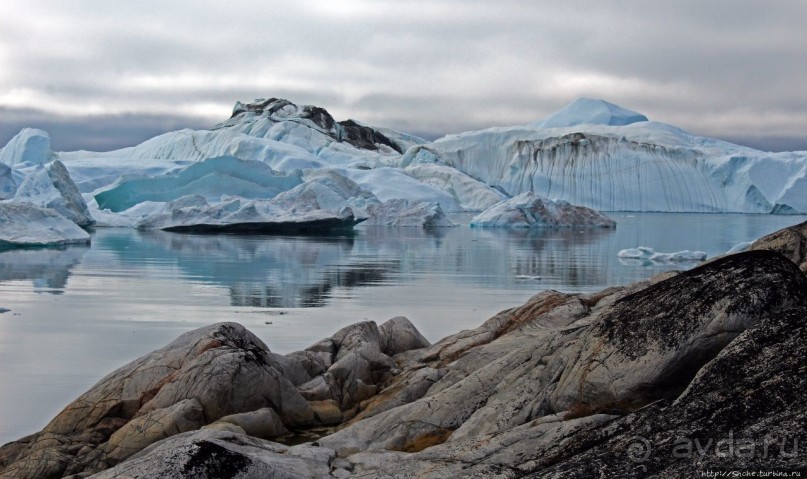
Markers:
78,313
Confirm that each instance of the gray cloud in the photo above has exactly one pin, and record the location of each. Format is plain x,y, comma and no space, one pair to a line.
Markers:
730,69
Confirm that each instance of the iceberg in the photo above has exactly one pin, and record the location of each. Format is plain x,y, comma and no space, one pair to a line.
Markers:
28,147
471,194
25,225
402,213
8,185
592,153
50,186
211,178
531,211
590,111
600,157
249,217
645,253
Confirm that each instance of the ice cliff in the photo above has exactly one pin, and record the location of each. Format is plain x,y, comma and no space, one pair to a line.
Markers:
604,157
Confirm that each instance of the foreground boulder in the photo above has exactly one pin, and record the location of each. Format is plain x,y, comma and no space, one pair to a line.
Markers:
202,376
531,211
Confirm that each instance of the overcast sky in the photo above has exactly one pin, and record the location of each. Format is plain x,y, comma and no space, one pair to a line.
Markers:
100,74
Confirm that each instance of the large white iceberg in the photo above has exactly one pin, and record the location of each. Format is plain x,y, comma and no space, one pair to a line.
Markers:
610,160
531,211
24,224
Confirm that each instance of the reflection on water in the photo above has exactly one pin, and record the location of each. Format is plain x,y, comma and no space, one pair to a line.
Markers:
132,292
47,269
301,272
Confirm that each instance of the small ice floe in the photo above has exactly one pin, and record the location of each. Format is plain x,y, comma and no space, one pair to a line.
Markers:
526,277
649,254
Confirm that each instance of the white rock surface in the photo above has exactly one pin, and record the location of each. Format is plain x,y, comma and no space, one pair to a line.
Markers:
530,211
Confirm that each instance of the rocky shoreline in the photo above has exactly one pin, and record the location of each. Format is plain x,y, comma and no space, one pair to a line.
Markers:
684,373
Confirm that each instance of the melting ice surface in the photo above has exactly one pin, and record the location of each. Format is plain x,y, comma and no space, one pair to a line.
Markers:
78,313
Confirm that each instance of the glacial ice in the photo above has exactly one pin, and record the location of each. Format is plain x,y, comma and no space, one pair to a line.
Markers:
401,213
588,111
249,216
24,224
50,186
472,195
592,153
28,147
530,211
640,166
8,185
211,178
645,253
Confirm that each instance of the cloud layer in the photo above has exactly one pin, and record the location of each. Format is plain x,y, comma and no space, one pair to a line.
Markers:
725,68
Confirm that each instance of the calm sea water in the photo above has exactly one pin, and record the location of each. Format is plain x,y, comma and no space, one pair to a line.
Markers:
78,313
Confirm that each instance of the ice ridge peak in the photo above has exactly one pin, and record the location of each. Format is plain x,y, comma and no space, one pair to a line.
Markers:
591,111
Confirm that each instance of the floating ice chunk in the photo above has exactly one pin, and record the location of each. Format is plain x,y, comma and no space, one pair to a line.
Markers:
530,211
24,224
401,212
249,216
527,277
50,186
645,253
321,204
